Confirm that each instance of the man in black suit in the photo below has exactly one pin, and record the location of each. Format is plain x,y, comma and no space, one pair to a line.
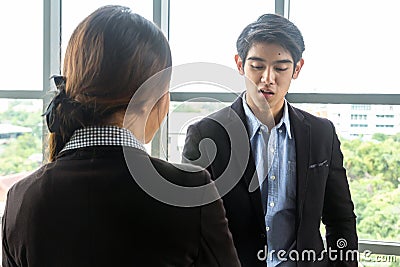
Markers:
292,175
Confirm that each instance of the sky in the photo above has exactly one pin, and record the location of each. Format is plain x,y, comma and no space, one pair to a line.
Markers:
351,45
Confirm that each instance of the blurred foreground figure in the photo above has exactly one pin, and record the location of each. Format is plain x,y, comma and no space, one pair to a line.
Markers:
86,207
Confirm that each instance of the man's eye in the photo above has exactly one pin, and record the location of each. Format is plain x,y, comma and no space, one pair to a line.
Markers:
281,69
257,67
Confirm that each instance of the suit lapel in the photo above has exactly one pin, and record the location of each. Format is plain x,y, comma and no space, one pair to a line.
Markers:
301,132
250,179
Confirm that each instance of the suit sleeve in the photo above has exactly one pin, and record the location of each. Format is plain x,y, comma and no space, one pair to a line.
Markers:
216,243
193,151
338,212
190,150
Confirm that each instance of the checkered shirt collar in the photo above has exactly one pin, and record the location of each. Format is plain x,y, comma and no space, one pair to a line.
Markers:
102,136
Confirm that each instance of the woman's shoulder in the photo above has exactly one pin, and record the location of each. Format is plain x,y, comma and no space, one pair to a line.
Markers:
181,173
30,185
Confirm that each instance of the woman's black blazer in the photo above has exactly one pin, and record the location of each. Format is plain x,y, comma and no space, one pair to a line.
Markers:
85,209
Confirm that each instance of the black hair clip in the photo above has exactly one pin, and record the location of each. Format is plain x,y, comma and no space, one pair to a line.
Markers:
51,114
58,80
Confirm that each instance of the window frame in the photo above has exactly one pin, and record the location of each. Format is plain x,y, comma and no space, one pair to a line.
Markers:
161,10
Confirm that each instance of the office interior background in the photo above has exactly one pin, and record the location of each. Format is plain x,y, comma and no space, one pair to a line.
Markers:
350,76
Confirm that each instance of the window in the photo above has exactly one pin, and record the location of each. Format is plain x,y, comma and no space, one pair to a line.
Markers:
371,158
21,62
372,161
360,107
359,116
207,30
358,125
20,135
340,58
384,126
20,141
181,115
21,50
352,47
385,116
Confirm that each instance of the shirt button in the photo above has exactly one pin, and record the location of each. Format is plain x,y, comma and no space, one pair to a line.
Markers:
272,150
271,204
280,130
259,132
267,228
273,177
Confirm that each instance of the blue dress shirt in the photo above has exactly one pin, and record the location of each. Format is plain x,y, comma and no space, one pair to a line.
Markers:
275,158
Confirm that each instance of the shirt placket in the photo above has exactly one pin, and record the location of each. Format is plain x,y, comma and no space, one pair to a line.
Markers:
273,162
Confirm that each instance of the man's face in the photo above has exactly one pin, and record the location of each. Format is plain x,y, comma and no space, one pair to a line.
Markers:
270,67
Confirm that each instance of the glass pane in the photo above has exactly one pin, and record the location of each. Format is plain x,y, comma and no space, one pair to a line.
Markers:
181,115
21,50
350,46
74,11
20,141
370,142
207,30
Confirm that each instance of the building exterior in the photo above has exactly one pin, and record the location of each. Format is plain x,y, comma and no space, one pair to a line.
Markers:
359,121
8,131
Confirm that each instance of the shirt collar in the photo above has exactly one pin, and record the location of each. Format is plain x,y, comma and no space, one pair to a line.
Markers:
254,123
285,119
103,136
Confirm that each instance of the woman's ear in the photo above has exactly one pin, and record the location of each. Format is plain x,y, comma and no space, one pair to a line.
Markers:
156,116
297,69
239,64
163,106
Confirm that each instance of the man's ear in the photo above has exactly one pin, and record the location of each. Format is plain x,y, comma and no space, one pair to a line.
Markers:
297,69
239,64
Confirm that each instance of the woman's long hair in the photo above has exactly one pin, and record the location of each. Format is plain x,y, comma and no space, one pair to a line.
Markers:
109,56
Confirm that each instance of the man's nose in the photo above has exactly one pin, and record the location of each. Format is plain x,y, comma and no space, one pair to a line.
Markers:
268,76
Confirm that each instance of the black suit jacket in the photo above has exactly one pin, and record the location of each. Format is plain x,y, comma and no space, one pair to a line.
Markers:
322,187
85,209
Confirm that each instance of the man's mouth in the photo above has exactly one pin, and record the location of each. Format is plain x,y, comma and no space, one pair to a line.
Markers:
266,92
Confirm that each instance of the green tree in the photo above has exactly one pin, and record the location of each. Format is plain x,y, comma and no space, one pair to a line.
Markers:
373,158
16,154
363,190
373,168
377,209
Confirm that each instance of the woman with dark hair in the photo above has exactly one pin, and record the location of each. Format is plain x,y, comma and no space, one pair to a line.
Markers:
86,206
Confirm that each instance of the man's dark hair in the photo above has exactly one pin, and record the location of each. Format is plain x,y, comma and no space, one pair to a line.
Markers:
271,28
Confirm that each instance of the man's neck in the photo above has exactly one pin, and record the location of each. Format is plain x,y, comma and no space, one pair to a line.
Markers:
265,116
278,115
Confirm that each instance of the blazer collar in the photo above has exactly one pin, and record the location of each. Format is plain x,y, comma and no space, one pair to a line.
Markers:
237,106
250,179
